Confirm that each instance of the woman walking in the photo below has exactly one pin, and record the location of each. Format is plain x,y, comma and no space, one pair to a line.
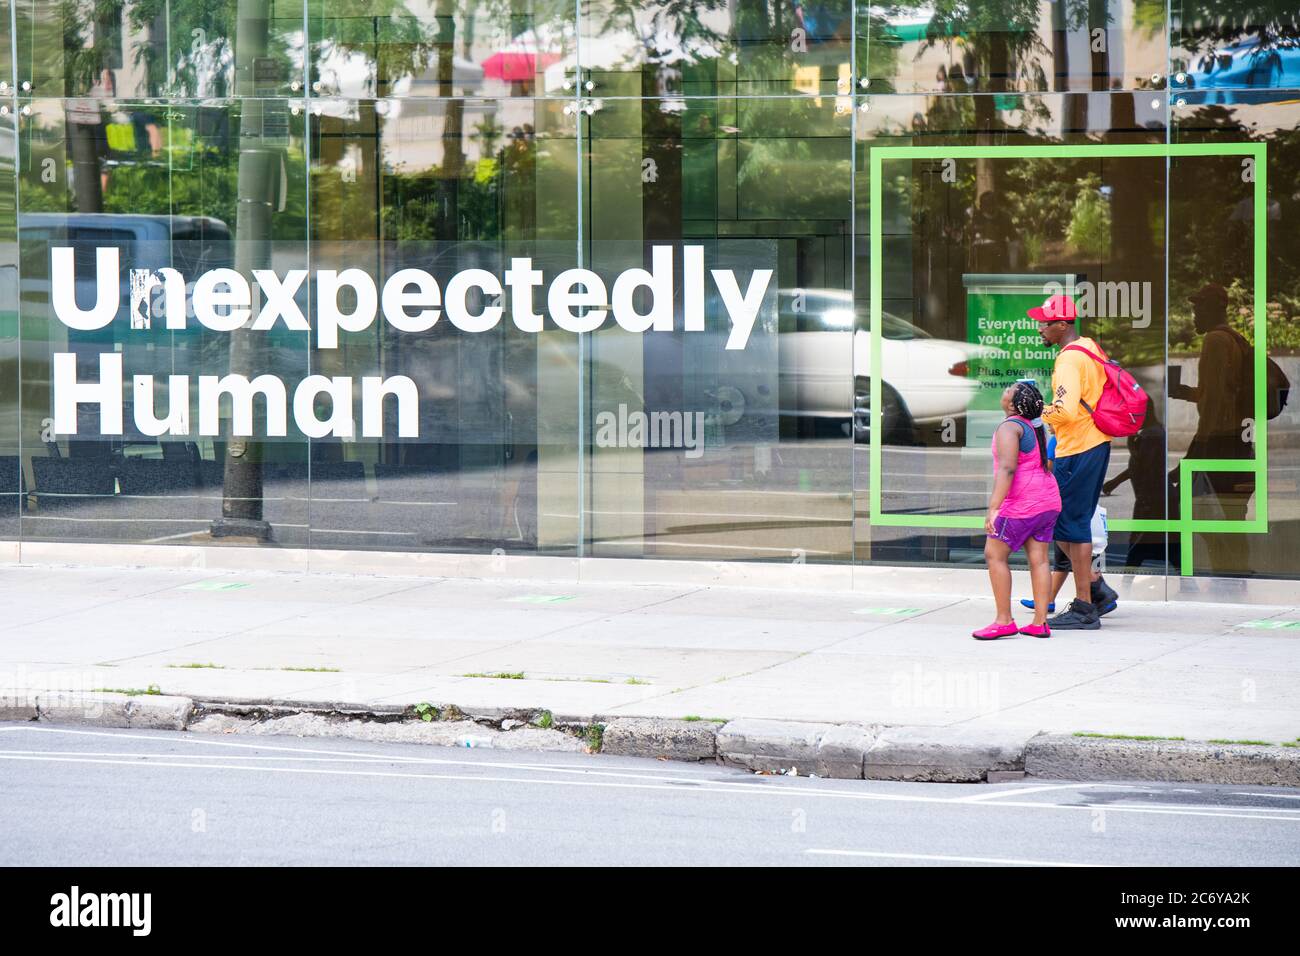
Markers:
1022,510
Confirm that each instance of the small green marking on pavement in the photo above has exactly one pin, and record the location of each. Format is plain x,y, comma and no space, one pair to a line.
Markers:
542,598
1273,625
214,586
897,611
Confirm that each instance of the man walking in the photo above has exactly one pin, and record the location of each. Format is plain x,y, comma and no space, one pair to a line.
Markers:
1082,456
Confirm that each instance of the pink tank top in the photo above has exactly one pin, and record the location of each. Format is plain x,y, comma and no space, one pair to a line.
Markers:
1033,488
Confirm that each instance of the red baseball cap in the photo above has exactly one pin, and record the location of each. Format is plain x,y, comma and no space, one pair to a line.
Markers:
1057,308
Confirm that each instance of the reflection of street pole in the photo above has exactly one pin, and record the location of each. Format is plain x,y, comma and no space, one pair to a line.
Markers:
447,216
259,188
83,120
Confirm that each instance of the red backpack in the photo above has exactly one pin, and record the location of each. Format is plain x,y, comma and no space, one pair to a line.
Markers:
1122,407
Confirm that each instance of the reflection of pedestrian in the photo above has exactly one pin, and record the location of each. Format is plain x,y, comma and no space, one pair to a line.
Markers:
1224,397
821,20
1146,470
146,132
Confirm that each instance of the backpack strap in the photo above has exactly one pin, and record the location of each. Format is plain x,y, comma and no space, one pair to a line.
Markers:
1092,355
1088,352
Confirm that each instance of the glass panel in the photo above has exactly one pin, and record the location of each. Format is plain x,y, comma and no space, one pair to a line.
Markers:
717,141
152,48
966,245
1231,366
700,450
11,475
208,187
1012,46
1226,51
444,48
704,47
441,188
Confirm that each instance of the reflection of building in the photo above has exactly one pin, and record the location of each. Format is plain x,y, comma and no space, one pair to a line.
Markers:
457,136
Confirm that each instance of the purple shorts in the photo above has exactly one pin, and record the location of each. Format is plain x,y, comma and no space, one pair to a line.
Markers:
1014,532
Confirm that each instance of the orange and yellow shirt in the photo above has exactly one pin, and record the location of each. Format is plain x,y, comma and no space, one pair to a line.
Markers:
1075,377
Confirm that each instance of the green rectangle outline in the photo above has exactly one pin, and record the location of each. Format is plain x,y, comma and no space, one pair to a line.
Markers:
1185,524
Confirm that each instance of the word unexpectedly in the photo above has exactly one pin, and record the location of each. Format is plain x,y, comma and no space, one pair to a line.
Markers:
411,300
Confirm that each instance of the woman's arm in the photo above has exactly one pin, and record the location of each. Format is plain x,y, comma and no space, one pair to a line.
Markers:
1007,441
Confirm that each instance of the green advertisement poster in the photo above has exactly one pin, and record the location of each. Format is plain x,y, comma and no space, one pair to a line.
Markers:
1013,349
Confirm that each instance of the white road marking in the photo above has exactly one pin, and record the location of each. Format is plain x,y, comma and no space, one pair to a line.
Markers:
197,760
789,792
992,860
1242,793
325,755
196,740
1020,792
1211,806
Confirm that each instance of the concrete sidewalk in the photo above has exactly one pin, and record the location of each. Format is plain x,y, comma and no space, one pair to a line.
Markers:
1203,672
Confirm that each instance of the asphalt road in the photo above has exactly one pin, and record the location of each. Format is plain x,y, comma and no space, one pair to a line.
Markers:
100,797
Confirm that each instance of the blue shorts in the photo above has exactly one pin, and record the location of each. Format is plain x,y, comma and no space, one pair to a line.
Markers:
1080,478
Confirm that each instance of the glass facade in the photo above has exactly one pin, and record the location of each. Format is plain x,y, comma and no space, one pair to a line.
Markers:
702,280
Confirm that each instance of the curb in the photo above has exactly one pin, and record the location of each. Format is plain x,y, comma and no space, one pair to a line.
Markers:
1088,758
137,711
946,755
837,751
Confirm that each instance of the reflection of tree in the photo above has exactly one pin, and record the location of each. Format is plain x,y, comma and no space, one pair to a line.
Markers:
675,21
781,165
999,39
203,35
1089,229
1211,23
1215,241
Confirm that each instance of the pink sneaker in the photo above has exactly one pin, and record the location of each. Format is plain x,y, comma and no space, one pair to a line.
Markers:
1036,630
994,631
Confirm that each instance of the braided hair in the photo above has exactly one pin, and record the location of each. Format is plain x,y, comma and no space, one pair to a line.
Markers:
1027,402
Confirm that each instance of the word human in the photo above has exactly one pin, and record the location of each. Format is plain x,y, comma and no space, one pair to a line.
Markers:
102,909
241,391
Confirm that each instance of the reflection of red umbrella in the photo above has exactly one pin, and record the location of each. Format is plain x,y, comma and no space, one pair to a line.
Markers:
519,61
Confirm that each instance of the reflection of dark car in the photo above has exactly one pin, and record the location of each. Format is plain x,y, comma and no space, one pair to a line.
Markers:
1243,65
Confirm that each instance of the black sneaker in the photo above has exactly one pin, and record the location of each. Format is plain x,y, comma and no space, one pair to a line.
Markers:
1079,616
1104,597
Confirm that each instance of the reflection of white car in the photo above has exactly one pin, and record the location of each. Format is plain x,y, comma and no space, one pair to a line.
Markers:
925,379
